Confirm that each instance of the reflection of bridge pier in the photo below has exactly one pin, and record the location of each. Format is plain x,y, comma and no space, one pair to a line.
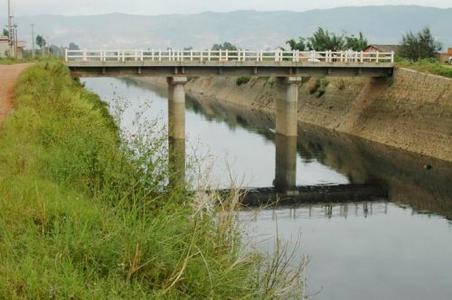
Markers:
176,130
286,163
286,137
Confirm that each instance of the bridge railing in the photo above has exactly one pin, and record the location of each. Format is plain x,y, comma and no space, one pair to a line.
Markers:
228,56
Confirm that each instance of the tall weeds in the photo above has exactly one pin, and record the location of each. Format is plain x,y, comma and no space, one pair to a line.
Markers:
86,214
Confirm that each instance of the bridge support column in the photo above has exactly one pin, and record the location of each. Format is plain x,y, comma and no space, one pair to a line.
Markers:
286,163
176,131
287,108
176,107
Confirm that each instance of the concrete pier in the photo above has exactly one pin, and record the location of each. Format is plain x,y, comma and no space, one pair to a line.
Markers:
287,107
176,162
176,107
285,163
176,130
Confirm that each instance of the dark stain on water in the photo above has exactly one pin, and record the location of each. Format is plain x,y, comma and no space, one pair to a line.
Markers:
399,247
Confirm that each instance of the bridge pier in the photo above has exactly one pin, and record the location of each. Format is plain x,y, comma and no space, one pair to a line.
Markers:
176,130
285,163
287,107
176,107
286,136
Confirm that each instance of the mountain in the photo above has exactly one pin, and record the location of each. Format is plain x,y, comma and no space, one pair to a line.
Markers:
248,29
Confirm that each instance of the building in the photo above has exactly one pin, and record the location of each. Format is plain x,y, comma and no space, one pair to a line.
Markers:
445,56
382,48
4,46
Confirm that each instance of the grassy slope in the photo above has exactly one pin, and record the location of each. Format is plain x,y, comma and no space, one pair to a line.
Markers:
79,218
428,66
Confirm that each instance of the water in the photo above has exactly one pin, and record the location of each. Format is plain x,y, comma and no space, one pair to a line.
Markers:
396,248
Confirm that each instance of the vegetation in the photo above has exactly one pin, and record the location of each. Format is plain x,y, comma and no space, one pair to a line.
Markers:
432,66
243,80
419,46
319,87
85,216
323,40
40,41
225,46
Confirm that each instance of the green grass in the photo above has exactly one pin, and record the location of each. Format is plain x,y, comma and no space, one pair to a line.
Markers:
84,217
12,61
431,66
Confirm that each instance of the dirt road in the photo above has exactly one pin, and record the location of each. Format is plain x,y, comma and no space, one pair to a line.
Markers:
8,78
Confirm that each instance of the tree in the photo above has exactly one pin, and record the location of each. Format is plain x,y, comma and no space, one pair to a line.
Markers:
419,46
300,45
40,41
73,46
5,32
322,40
357,43
225,46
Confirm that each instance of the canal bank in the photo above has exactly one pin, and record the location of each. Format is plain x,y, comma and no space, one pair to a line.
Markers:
85,216
412,111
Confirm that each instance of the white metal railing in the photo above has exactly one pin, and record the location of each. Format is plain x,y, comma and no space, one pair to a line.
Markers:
228,56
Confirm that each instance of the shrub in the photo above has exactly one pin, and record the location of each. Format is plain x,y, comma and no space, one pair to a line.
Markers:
242,80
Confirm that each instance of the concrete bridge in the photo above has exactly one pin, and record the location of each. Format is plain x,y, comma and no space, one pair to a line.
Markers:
178,65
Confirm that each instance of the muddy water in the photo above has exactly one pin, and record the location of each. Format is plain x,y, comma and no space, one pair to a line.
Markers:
396,248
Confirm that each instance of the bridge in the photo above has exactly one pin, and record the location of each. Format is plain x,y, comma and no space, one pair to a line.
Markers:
262,63
179,65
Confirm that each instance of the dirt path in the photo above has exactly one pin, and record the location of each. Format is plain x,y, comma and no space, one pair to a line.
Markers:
8,77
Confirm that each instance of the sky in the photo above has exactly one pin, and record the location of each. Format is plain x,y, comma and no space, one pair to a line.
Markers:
157,7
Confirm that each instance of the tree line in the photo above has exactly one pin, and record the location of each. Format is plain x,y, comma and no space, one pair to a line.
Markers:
413,46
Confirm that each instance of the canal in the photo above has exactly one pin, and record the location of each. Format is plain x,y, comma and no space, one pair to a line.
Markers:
399,247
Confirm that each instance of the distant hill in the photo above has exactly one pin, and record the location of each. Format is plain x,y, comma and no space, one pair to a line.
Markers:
250,29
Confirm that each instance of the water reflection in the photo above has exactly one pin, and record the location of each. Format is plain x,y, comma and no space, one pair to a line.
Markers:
285,163
399,249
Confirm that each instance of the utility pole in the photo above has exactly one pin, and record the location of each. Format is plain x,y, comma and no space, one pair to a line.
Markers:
10,29
33,40
16,42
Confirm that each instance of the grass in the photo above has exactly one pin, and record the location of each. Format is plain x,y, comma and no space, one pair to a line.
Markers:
82,216
12,61
432,66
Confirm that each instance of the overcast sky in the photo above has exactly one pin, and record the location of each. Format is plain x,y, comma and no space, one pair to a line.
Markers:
154,7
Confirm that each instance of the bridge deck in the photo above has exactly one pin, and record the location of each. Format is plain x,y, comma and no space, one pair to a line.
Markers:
235,63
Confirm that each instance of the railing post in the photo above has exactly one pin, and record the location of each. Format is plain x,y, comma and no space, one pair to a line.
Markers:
201,54
84,55
152,55
227,55
209,55
65,55
160,54
142,55
377,57
362,56
392,56
191,55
